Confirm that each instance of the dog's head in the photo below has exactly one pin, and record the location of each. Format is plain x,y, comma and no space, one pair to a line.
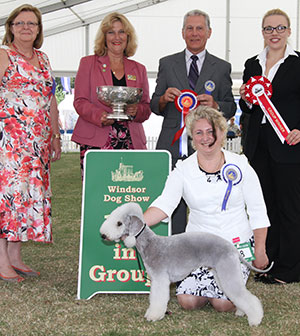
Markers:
119,224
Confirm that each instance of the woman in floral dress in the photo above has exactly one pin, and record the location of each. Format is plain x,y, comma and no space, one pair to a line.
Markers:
29,137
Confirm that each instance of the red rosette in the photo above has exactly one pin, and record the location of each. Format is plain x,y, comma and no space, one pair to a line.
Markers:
257,86
258,91
184,103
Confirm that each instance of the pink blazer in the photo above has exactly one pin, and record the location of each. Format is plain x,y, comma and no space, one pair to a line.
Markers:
95,71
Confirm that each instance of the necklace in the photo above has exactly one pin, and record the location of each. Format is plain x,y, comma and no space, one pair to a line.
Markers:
18,51
212,169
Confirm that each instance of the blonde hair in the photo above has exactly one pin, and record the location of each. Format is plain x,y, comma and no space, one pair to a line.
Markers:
276,11
100,48
9,36
213,116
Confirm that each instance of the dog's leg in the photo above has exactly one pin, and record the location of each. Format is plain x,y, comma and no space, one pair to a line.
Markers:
233,286
159,298
252,307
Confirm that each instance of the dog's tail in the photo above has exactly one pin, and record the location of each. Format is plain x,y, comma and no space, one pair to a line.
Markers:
254,268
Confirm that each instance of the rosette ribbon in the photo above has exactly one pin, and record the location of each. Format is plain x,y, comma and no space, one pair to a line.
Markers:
184,103
258,91
232,175
209,87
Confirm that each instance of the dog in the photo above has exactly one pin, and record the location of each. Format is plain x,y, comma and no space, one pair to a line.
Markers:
171,259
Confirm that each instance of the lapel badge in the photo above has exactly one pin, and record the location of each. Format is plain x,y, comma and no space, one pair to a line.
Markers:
209,86
131,77
104,67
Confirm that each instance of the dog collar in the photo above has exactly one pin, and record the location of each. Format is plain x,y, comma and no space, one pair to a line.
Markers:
141,230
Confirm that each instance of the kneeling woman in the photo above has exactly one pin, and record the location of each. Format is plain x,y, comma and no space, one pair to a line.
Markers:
224,197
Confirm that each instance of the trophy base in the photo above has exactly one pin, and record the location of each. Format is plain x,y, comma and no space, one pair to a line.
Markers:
116,116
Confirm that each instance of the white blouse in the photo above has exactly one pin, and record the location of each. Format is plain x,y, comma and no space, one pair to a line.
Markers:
245,208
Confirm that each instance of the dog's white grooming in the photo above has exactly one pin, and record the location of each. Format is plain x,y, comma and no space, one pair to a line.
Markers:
171,259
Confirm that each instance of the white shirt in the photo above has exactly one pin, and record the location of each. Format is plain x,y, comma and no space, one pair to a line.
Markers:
201,57
262,58
205,199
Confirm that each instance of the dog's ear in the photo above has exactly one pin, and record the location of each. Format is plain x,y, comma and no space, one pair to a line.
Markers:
134,228
130,241
126,220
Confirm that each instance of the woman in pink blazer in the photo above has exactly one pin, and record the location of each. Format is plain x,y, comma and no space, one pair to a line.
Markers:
115,41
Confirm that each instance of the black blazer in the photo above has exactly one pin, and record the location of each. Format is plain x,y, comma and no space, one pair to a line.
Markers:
286,99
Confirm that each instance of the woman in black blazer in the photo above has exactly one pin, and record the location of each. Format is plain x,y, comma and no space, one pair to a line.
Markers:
277,164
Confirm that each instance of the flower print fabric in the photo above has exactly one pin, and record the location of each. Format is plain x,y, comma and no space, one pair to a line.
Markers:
25,148
119,136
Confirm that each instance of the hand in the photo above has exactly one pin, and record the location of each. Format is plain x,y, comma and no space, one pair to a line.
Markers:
170,95
262,260
104,120
207,100
131,110
242,93
293,137
55,149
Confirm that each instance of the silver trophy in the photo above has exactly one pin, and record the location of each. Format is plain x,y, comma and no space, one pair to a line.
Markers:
118,97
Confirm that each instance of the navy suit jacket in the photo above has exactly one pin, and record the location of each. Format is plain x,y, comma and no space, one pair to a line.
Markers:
286,99
173,73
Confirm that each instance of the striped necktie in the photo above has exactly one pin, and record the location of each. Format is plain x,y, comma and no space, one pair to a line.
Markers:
193,74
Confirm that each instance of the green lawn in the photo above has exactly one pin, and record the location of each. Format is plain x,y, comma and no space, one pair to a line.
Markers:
48,305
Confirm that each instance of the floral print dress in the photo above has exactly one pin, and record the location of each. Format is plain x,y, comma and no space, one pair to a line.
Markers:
25,148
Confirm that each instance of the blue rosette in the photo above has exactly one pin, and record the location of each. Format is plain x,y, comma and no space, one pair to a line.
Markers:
232,175
209,86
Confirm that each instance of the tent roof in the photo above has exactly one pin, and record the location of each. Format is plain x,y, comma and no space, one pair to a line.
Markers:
70,27
61,16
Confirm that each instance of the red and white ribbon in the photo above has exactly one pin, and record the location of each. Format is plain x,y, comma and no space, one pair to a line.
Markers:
258,91
184,103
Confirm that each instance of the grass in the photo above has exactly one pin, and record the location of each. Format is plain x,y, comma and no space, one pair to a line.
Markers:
48,305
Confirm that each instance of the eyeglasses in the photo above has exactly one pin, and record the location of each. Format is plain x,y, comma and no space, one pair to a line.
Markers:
22,24
279,29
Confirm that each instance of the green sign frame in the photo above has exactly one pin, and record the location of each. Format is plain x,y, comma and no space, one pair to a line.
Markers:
112,178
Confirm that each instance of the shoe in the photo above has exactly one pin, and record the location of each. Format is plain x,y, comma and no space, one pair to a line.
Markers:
268,279
17,278
258,277
29,273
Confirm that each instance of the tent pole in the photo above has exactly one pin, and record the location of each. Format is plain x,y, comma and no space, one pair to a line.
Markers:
227,46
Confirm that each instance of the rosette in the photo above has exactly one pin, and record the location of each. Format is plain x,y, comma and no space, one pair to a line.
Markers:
209,86
232,175
258,91
184,103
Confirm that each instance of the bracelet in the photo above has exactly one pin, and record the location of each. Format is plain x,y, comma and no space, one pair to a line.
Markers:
56,136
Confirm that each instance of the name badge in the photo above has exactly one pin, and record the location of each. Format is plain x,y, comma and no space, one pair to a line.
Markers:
131,77
246,251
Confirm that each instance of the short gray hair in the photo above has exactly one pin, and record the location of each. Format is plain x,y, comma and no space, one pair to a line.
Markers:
197,12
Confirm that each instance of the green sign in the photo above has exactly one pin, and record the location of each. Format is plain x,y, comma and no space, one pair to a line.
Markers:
112,178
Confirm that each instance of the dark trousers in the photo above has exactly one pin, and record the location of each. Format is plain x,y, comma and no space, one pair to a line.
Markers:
280,183
179,216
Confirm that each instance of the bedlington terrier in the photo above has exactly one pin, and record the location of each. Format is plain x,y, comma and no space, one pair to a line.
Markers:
171,259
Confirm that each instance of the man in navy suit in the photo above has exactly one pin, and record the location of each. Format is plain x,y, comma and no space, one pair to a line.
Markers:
173,76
